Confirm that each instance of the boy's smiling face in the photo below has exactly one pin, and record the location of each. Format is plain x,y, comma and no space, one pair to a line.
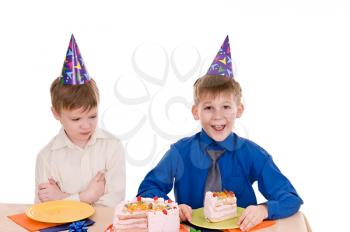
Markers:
217,114
78,124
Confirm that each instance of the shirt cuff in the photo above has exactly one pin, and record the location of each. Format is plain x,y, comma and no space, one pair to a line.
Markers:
272,208
74,197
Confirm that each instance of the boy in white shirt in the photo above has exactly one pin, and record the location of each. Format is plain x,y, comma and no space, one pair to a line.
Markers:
82,162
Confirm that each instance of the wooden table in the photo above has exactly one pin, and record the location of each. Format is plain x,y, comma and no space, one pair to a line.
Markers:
103,217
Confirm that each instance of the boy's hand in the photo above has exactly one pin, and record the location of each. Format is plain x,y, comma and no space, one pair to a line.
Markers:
252,215
50,191
185,212
95,189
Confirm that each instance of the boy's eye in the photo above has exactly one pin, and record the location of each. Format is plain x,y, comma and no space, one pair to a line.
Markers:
227,107
94,116
208,108
75,119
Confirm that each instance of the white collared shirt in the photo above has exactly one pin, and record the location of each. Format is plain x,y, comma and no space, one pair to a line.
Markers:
72,167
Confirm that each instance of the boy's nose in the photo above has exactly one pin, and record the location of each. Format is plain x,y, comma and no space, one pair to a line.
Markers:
217,114
85,125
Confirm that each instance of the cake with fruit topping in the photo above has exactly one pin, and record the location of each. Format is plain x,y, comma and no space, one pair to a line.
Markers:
147,214
219,206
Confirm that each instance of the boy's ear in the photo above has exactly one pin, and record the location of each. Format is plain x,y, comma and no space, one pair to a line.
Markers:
55,113
195,112
240,109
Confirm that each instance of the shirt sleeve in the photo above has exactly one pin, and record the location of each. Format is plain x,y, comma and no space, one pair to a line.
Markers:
159,181
115,177
283,200
41,173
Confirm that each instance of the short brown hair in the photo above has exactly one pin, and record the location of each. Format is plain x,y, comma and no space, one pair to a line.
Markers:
216,84
71,97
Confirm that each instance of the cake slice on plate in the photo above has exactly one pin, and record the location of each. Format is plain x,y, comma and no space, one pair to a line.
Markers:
219,206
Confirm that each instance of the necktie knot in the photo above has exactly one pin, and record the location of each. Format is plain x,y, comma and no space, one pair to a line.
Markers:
215,154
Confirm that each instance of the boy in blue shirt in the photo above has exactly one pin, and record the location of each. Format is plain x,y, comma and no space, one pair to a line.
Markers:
191,168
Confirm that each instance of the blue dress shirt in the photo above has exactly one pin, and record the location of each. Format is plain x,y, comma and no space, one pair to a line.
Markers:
185,167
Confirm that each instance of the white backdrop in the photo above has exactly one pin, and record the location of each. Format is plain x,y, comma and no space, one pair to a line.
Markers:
291,57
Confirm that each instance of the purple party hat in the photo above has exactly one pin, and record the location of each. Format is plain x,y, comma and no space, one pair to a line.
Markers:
222,64
74,71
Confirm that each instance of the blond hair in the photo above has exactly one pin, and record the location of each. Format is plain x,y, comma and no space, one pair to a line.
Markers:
71,97
215,85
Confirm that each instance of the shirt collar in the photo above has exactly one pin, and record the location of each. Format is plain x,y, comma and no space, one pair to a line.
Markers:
61,140
227,144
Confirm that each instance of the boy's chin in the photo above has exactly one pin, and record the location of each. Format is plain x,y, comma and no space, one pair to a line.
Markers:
219,137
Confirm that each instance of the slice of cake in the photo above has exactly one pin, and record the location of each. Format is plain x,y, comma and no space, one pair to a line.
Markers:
147,215
219,206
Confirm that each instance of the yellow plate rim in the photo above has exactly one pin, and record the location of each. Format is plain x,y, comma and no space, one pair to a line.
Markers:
87,209
214,225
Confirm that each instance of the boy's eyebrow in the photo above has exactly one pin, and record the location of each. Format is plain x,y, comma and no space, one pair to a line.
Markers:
94,113
74,115
207,102
79,115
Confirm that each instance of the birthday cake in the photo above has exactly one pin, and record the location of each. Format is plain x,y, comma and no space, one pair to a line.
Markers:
219,206
146,215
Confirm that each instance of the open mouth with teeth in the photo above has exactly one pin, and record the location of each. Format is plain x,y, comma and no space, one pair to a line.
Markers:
218,127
